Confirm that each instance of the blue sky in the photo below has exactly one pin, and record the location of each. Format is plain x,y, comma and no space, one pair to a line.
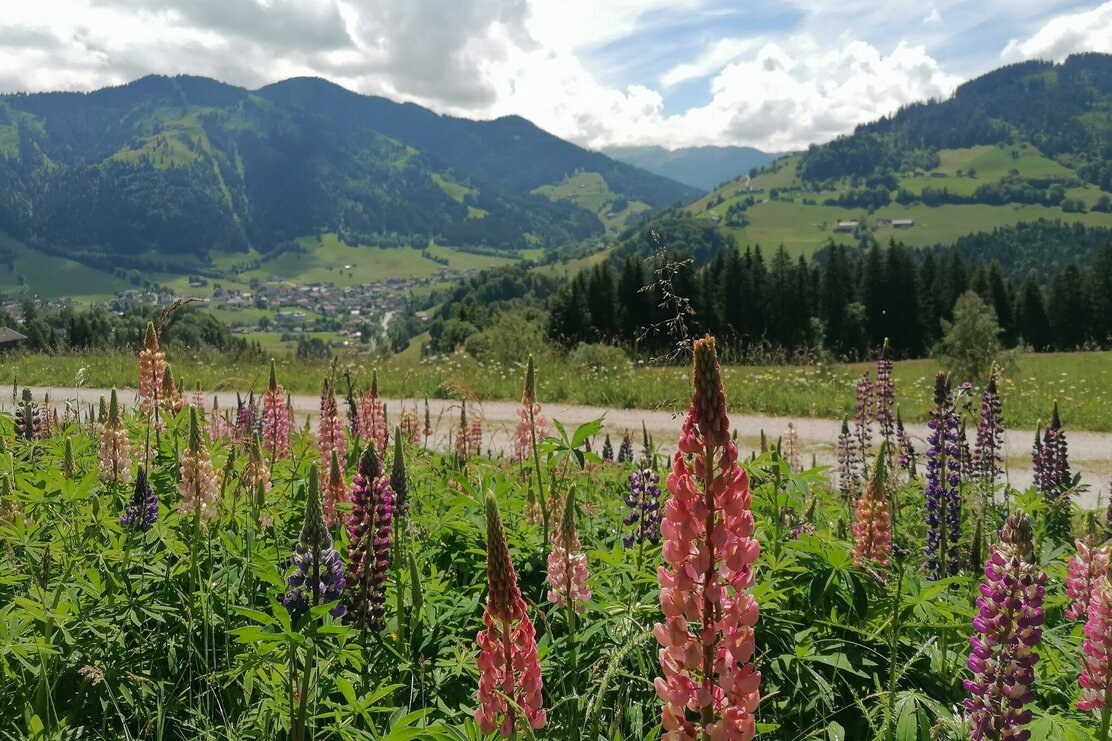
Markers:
776,74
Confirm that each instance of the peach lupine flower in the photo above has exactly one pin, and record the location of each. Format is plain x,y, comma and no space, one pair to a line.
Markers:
567,564
410,426
114,452
276,418
872,530
531,424
152,365
169,397
709,686
372,415
330,429
334,491
463,434
508,663
198,485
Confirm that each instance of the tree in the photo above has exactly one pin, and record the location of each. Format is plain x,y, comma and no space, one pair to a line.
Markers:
1068,309
1030,313
970,342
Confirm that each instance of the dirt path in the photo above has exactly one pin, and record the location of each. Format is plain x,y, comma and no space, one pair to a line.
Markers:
1090,452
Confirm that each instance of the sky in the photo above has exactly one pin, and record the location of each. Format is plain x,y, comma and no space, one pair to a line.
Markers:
774,74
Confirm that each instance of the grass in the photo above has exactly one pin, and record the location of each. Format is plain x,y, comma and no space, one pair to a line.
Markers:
50,277
590,190
1080,382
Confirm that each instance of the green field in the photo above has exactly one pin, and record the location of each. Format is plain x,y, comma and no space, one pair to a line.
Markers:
589,190
51,277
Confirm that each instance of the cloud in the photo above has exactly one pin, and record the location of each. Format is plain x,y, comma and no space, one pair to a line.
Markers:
1089,30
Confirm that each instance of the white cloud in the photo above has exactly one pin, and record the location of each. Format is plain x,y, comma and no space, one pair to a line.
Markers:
1089,30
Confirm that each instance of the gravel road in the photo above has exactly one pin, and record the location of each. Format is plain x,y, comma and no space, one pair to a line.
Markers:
1090,452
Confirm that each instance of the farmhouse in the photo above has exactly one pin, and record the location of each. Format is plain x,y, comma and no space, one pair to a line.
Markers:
903,223
846,226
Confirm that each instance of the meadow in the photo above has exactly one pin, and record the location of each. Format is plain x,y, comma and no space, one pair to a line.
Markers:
171,575
1080,382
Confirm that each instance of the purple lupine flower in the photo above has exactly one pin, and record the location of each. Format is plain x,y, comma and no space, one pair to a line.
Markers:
862,422
989,456
608,450
1037,460
625,450
399,480
965,454
1008,628
1053,477
849,481
943,484
884,395
645,513
318,576
906,449
369,541
29,421
142,512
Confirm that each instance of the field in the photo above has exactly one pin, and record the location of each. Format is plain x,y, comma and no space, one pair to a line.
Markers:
1080,382
589,190
377,598
53,277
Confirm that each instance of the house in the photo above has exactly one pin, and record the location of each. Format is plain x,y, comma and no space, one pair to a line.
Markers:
9,338
903,223
846,226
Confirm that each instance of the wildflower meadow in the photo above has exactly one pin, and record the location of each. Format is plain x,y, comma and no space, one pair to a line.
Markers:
175,570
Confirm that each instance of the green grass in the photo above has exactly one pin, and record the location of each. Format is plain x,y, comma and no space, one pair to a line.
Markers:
454,190
569,268
1080,382
50,277
590,190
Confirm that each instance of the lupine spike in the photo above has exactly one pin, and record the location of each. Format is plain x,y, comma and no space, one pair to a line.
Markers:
1096,658
318,576
872,530
372,415
141,513
330,429
1087,567
114,450
462,434
709,686
645,513
152,367
335,490
884,394
989,457
198,485
567,563
369,530
276,418
943,484
509,668
399,482
849,479
1008,627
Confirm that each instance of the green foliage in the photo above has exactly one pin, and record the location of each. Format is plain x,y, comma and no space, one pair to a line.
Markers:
971,341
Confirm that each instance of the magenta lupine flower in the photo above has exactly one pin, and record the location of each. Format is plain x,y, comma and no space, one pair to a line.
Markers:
330,429
318,575
709,685
372,416
1087,567
114,449
248,421
1007,628
567,564
1096,658
276,419
863,420
372,506
884,395
989,455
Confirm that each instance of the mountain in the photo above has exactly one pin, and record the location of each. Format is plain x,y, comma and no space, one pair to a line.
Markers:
704,168
177,168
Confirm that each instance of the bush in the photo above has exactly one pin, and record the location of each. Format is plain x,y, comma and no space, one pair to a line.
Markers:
595,356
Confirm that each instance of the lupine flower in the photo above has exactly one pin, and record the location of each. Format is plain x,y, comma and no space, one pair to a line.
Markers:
872,529
170,398
369,525
141,513
318,576
625,450
965,454
28,418
102,411
1007,630
410,426
335,491
9,508
69,465
789,448
219,428
475,436
1053,477
849,481
567,564
1086,568
276,419
152,366
709,686
114,451
989,455
330,429
49,416
863,419
907,450
198,486
399,481
372,416
462,434
607,450
531,424
884,395
943,485
256,472
644,509
508,663
1096,658
428,422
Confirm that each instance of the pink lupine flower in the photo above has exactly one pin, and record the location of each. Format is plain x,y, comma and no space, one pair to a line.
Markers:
198,485
475,436
276,419
531,424
709,686
1096,659
1086,568
369,529
334,491
256,472
567,564
219,427
114,451
410,426
152,365
508,663
198,399
330,429
872,530
372,416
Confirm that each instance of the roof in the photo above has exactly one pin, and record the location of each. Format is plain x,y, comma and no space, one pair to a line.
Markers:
10,335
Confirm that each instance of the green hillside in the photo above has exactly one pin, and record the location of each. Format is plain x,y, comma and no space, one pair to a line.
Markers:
164,174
